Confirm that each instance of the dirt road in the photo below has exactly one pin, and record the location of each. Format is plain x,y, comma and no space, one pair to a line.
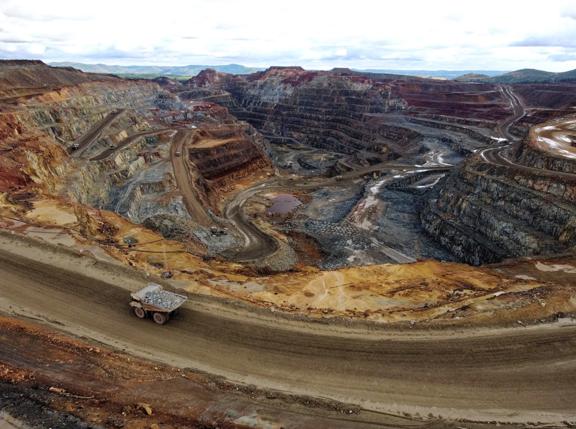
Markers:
523,374
546,137
497,155
184,178
518,112
257,244
127,141
95,132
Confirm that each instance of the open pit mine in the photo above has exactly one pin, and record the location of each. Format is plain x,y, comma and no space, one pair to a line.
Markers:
348,250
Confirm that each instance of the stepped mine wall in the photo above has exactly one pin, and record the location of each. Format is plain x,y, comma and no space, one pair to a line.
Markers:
484,213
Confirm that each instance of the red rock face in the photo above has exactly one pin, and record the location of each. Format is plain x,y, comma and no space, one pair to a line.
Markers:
234,156
547,101
20,78
213,109
207,78
341,110
464,100
11,180
548,96
17,144
225,153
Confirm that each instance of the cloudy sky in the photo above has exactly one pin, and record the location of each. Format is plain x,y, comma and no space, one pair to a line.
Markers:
403,34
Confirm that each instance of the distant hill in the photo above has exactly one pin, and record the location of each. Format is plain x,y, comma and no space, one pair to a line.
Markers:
473,77
186,72
518,76
535,76
150,72
18,75
437,74
525,75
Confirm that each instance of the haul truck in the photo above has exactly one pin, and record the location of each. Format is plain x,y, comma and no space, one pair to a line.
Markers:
156,302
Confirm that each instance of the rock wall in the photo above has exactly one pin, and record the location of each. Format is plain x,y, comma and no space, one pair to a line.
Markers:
532,157
453,99
223,155
484,212
317,108
29,159
67,113
233,158
39,129
344,111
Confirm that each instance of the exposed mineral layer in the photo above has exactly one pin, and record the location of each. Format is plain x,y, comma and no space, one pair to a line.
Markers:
187,178
317,221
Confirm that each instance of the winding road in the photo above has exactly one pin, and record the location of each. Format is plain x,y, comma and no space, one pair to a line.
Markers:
256,243
495,154
522,374
518,111
554,137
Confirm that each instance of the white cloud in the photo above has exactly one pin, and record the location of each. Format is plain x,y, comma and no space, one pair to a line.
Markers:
448,34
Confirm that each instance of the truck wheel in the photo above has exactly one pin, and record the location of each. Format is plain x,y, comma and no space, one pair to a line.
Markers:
160,318
139,312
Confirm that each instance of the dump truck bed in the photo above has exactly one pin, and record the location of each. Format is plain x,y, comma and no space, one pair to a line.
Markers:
154,296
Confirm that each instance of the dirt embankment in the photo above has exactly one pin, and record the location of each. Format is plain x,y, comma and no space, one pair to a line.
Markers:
459,375
47,379
425,293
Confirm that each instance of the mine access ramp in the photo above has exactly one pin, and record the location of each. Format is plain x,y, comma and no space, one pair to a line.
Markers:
156,302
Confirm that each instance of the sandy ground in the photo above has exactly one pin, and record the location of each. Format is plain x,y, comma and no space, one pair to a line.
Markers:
516,375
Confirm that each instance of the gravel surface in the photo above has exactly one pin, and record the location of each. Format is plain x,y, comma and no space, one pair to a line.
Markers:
163,299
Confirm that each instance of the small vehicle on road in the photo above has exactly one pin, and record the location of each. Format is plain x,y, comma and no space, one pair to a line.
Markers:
156,302
214,230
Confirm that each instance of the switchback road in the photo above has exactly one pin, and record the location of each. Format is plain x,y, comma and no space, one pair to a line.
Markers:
518,111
